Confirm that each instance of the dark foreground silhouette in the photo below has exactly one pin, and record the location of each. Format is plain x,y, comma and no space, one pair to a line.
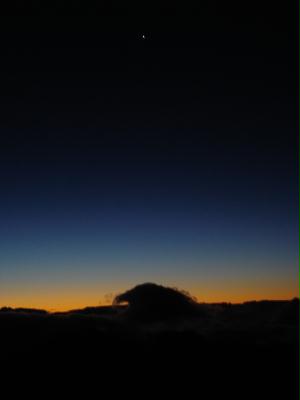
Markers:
162,343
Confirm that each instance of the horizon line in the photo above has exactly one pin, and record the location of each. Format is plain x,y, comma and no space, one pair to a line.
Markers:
54,310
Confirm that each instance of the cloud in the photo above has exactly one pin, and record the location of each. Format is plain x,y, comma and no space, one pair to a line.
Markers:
152,301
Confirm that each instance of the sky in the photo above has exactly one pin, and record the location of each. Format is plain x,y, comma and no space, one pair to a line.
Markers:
169,157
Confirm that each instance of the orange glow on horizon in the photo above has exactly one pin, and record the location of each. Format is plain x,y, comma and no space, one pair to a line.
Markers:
63,299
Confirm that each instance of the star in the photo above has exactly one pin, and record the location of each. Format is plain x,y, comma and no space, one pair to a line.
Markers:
143,37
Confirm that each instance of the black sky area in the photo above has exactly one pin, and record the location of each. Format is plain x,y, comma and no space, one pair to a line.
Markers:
209,94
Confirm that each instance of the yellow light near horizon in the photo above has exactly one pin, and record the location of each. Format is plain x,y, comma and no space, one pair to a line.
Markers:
62,296
67,302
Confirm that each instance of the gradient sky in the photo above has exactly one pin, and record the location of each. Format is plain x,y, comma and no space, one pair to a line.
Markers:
171,159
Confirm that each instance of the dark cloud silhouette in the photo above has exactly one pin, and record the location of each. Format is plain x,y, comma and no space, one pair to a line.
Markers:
152,301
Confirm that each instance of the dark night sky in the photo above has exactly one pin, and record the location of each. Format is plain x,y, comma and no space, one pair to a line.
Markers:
171,158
